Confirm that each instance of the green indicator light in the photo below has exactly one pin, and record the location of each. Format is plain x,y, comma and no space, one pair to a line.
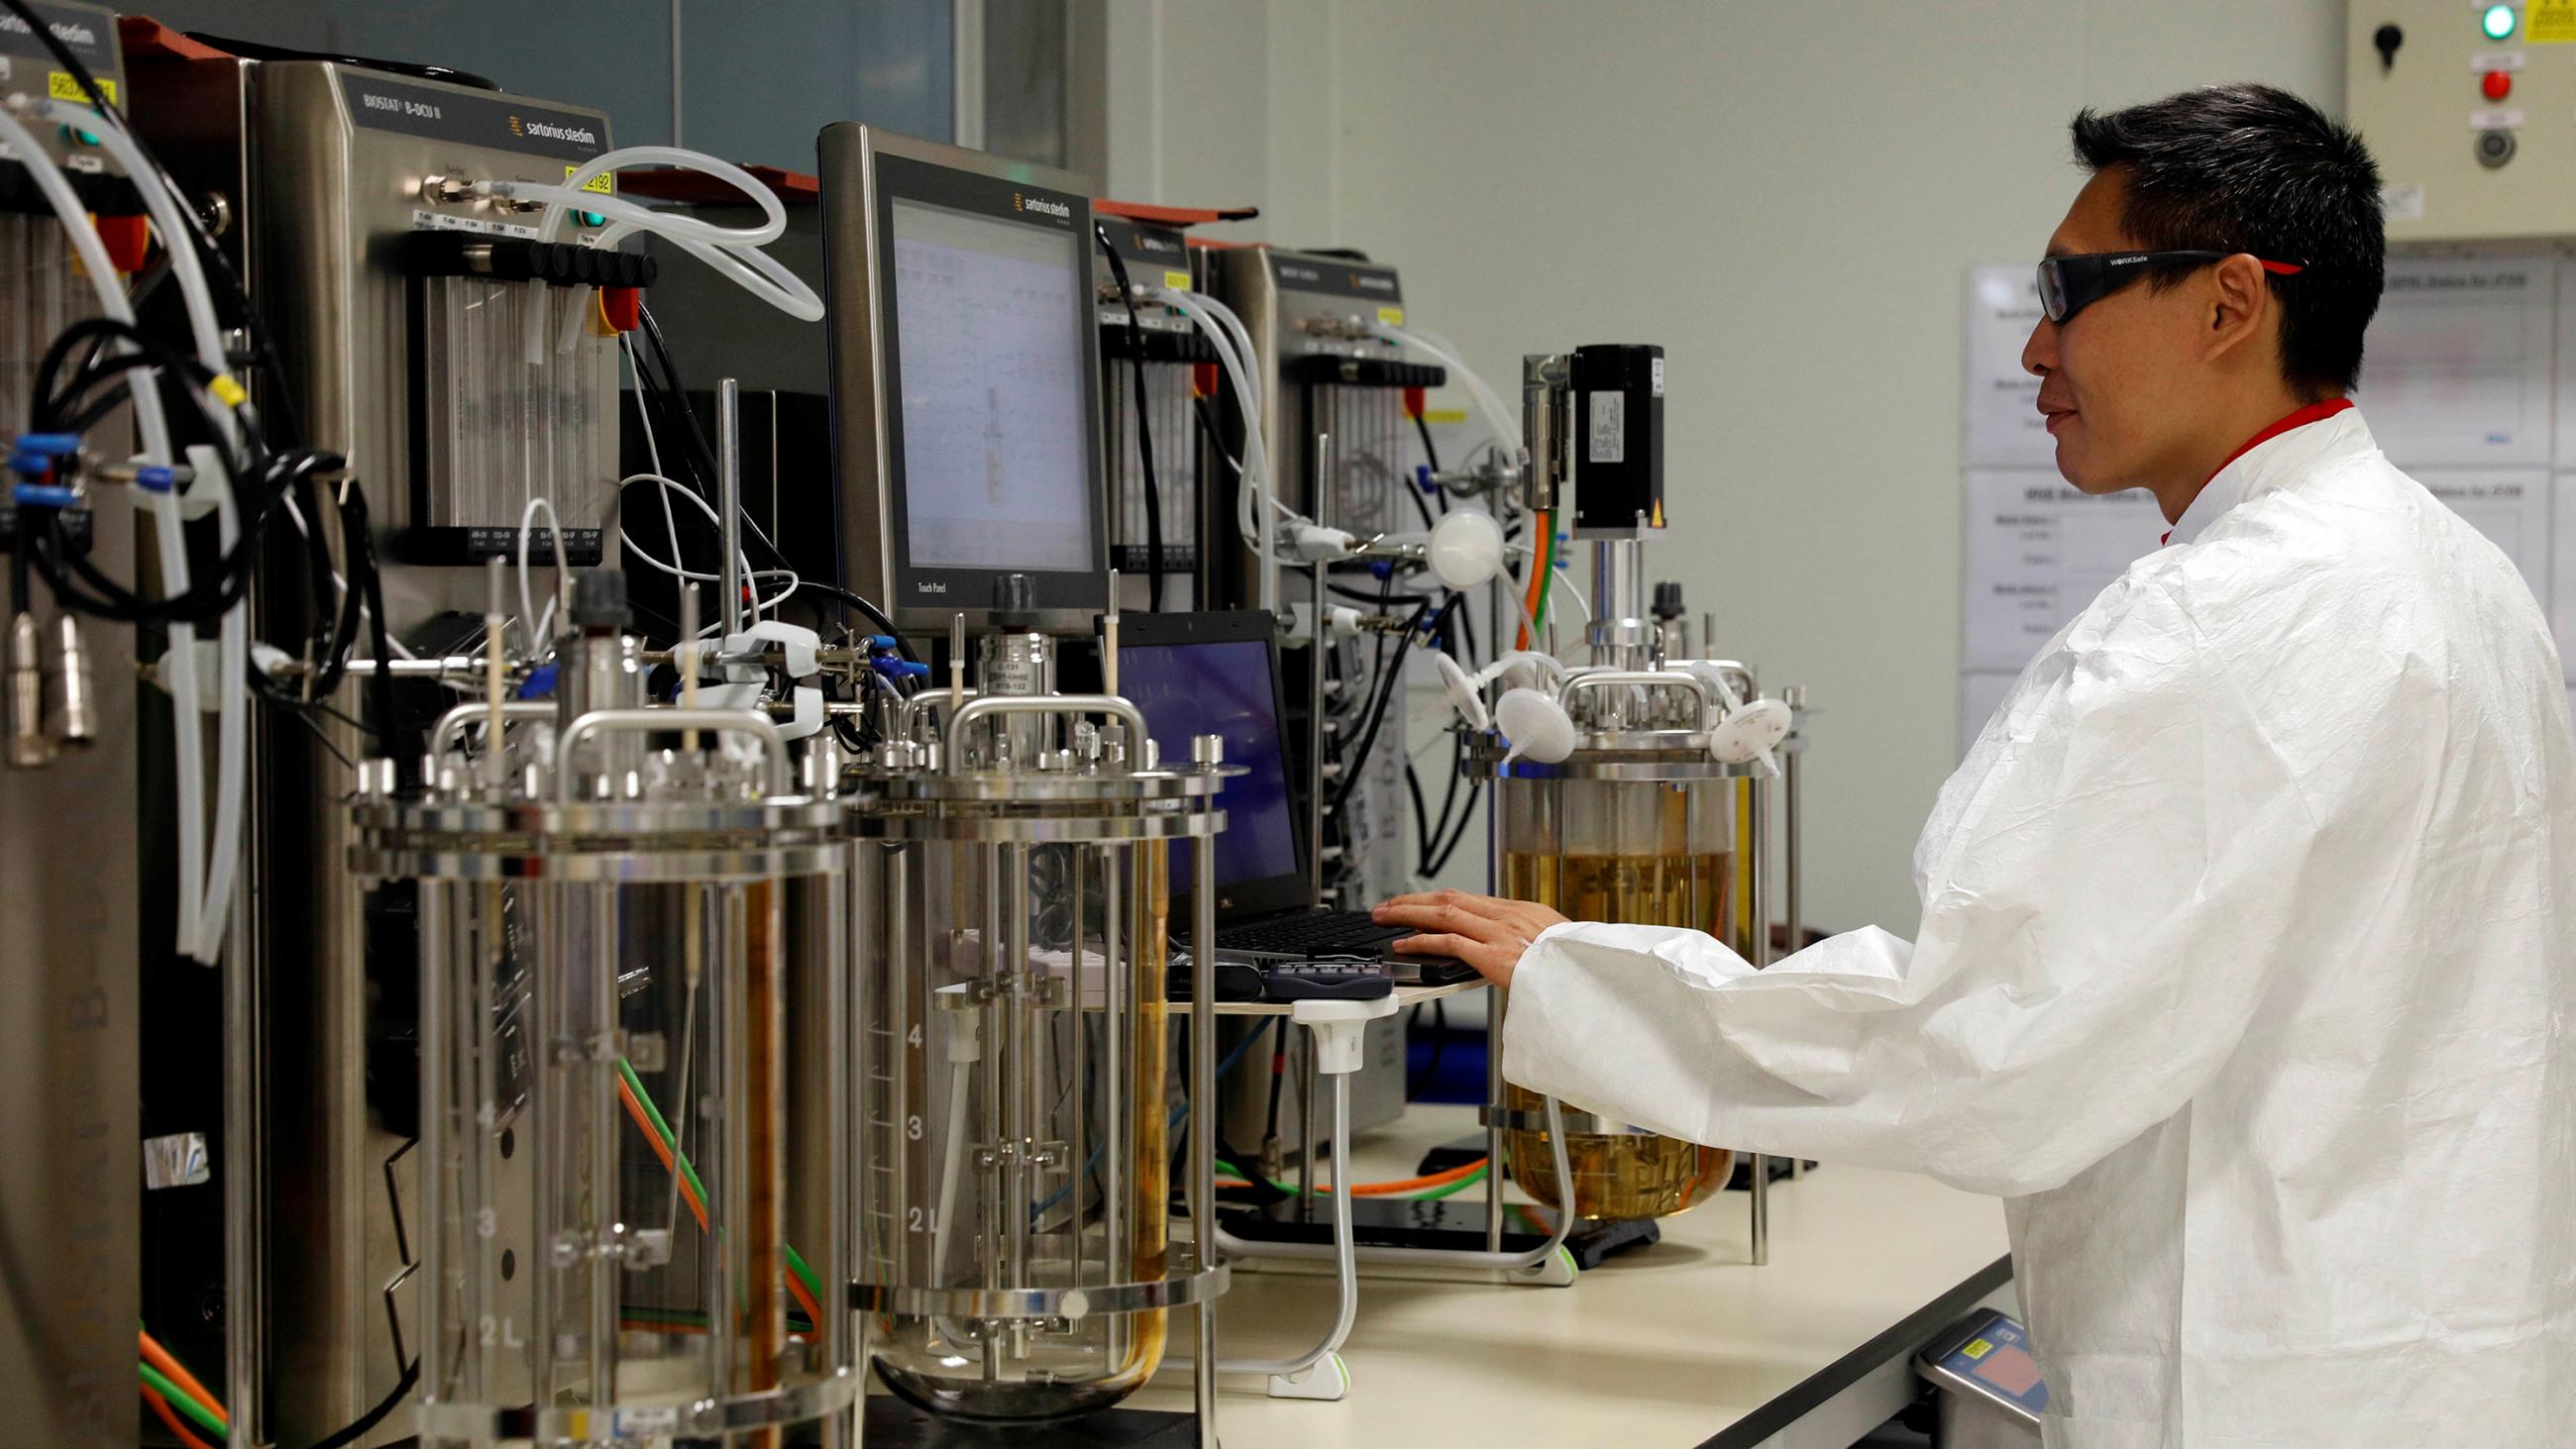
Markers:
593,218
2498,22
79,137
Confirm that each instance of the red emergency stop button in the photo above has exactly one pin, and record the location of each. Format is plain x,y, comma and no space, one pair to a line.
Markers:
128,240
2496,84
622,308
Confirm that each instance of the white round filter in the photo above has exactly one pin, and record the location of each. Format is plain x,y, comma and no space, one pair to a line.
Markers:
1749,732
1466,549
1464,695
1536,725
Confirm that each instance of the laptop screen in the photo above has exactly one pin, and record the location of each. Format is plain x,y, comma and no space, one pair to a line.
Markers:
1224,686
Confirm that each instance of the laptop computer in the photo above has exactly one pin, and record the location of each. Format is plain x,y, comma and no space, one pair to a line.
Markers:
1218,673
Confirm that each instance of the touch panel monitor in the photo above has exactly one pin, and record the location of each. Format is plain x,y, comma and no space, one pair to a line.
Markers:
965,381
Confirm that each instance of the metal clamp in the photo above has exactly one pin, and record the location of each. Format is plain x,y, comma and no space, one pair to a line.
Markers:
1071,1304
1065,704
1512,1119
453,724
640,721
1642,679
620,1423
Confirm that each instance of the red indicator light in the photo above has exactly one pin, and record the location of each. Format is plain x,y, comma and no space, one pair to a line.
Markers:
2496,84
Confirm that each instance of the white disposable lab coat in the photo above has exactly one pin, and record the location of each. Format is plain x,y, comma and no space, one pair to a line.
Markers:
2245,972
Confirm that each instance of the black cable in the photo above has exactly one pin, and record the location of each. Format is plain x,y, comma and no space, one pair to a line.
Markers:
1457,751
1475,790
1421,812
1278,1081
1144,427
321,736
263,354
1381,597
1390,674
1430,449
700,459
369,1420
1439,1043
875,615
399,745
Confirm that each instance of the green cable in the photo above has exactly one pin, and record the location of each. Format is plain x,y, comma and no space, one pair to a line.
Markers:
180,1399
1546,586
662,1129
689,1172
796,1322
1452,1190
208,1404
805,1275
1426,1195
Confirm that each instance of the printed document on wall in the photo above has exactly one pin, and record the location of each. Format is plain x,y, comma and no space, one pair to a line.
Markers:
2037,552
2510,506
2567,350
2561,597
2456,367
2003,425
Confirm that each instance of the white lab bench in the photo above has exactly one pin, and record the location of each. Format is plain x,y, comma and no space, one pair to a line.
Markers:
1679,1344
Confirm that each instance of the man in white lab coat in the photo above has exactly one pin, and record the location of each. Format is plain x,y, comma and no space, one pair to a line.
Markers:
2247,959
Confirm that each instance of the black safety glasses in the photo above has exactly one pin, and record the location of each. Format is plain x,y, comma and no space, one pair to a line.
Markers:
2068,285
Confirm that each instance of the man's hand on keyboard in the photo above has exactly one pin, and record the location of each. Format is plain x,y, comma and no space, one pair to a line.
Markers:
1486,932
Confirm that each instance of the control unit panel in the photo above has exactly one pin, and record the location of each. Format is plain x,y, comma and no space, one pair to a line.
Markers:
2471,110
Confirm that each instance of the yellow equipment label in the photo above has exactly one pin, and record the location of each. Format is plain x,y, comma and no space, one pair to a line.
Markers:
2550,22
62,85
1394,316
1978,1349
1447,417
1177,281
606,185
227,391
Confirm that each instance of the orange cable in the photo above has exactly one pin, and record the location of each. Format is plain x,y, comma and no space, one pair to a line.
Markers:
170,1416
805,1300
1416,1184
635,1109
644,1123
1543,545
160,1358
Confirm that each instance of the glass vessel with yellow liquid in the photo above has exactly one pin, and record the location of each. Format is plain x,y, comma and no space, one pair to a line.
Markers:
1649,852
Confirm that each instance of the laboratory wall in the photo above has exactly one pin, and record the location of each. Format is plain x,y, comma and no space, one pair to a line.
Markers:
1788,197
756,79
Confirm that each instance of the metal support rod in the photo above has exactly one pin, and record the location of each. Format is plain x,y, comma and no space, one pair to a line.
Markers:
1791,914
729,485
1307,1141
244,1168
1494,1031
1203,889
1757,904
1317,787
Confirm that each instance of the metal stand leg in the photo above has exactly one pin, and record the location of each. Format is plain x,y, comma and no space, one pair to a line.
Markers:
1203,889
1494,1040
1791,908
1757,906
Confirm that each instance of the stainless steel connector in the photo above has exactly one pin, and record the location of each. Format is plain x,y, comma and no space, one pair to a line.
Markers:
75,689
28,747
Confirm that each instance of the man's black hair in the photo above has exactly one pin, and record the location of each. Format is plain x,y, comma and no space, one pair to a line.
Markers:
2247,168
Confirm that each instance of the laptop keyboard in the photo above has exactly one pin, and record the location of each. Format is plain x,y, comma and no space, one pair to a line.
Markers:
1319,933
